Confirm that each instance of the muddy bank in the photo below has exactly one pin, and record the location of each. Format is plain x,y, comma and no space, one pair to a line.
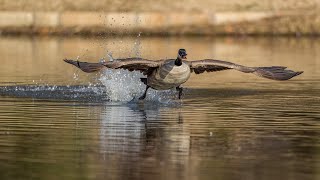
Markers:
164,17
157,6
99,23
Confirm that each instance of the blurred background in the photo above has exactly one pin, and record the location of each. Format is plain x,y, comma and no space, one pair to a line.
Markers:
204,17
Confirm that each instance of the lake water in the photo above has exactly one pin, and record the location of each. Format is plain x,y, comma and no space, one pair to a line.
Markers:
57,122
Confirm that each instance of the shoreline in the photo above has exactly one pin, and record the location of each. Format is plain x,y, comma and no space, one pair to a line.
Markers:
89,23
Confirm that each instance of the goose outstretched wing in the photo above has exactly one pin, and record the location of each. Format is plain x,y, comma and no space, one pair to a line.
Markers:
132,64
272,72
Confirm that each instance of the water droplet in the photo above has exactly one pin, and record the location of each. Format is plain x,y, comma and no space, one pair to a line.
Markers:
102,60
75,76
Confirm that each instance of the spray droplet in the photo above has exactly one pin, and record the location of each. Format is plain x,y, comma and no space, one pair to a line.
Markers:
75,76
102,60
110,56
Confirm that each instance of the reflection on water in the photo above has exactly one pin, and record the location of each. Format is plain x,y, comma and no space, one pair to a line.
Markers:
57,122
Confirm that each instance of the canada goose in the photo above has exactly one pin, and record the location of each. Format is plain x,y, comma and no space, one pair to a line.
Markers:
171,73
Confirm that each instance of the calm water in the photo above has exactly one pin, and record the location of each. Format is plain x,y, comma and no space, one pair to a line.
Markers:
59,123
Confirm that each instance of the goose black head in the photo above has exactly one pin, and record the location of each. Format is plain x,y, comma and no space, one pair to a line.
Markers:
182,54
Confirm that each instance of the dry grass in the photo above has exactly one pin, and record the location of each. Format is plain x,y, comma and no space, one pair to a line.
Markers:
159,5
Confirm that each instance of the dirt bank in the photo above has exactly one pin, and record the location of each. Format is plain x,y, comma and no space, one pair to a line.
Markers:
163,17
159,5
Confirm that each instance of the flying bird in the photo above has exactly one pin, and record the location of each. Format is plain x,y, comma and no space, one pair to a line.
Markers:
171,73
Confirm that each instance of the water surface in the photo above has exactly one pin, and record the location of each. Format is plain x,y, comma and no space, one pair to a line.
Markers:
59,123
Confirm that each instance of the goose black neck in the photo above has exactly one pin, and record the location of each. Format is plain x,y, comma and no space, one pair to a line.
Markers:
178,62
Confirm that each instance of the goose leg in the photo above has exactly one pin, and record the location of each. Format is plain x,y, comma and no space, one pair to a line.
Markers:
180,89
145,93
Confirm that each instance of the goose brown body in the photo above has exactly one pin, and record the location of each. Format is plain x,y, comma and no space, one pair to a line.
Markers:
169,76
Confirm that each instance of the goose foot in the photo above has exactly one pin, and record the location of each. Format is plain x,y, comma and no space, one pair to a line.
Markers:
144,94
180,89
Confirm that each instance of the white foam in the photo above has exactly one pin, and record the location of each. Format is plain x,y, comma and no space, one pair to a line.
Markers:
123,85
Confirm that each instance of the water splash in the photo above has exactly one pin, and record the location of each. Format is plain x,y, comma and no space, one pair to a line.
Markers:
122,85
116,85
91,93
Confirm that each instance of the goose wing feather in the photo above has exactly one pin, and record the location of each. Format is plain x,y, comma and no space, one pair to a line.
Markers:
272,72
132,64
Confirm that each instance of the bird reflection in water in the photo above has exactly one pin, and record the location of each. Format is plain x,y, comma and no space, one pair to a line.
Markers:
139,132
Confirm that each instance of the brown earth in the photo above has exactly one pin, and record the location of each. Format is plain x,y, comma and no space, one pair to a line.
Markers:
159,5
296,17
